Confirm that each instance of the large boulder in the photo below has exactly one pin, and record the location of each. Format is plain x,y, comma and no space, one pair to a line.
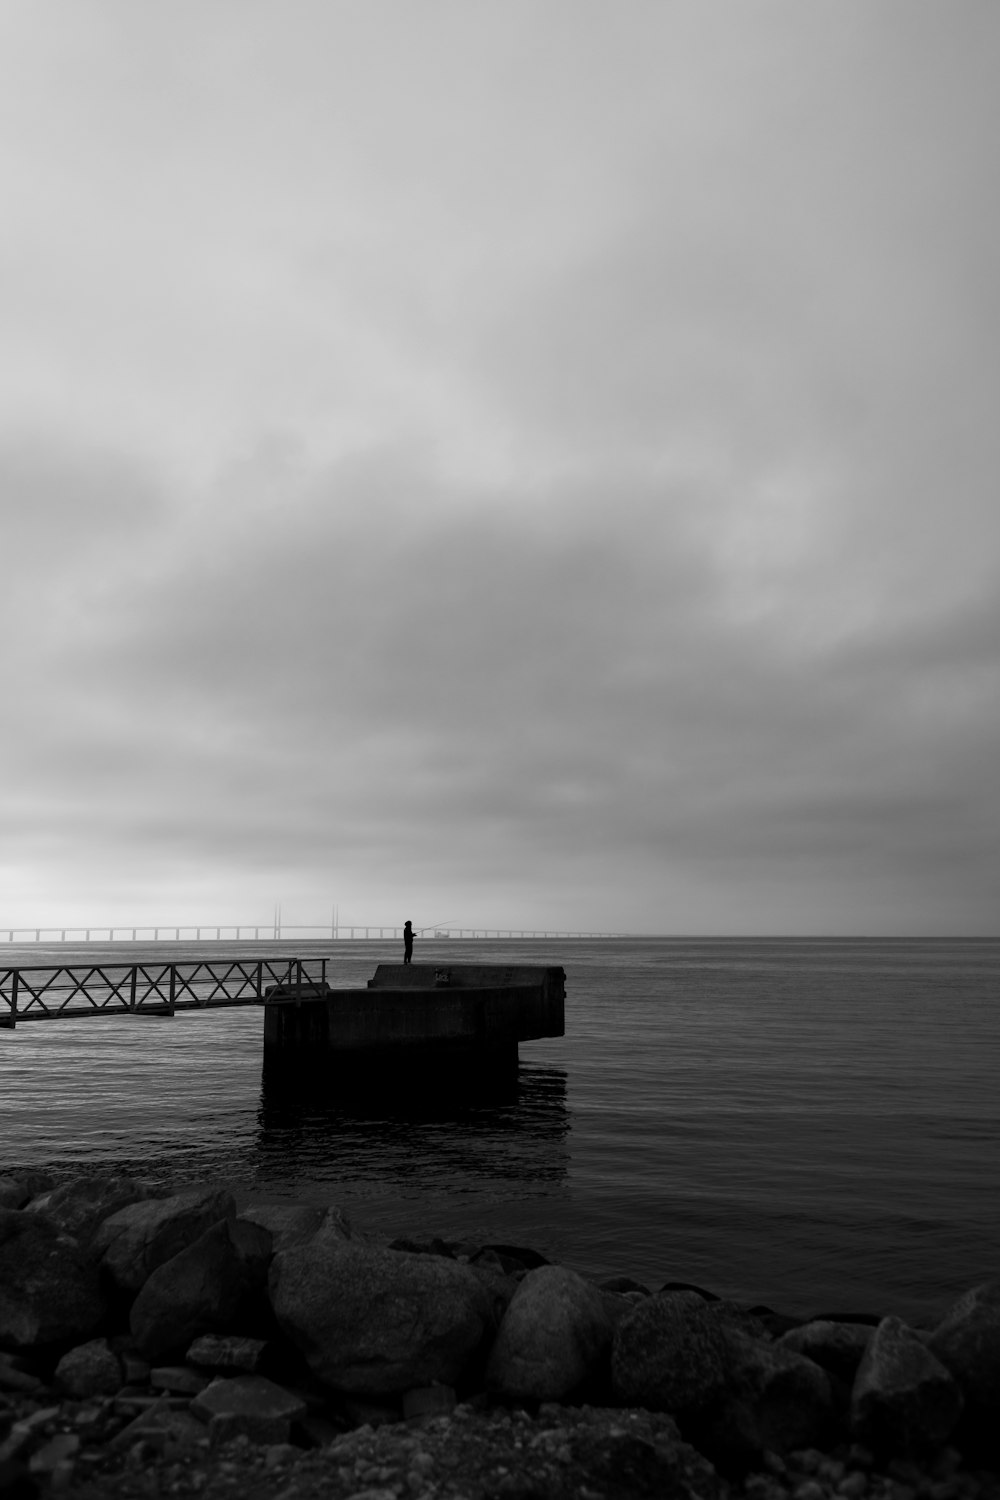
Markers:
555,1334
904,1402
967,1342
137,1239
50,1290
293,1223
79,1206
838,1347
374,1322
211,1287
670,1354
774,1400
733,1395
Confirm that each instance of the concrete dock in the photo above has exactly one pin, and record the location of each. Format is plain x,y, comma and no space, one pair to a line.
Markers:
414,1017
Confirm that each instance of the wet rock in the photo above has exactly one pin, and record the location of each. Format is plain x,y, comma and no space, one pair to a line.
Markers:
838,1347
737,1317
50,1289
293,1223
213,1351
77,1207
374,1322
904,1401
618,1305
248,1406
555,1335
13,1193
498,1288
91,1369
689,1286
774,1323
209,1287
967,1342
774,1401
137,1239
434,1246
670,1354
622,1285
18,1189
515,1258
734,1396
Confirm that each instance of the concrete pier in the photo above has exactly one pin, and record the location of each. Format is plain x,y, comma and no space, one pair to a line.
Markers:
414,1018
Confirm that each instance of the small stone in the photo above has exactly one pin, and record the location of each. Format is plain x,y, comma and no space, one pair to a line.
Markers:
809,1489
22,1434
54,1452
61,1477
806,1460
19,1381
853,1485
248,1406
761,1486
278,1454
226,1352
944,1489
946,1463
135,1370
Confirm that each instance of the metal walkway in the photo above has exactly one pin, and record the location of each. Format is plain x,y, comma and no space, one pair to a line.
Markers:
37,992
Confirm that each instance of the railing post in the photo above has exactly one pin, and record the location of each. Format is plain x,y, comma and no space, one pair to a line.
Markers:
172,988
132,986
13,1000
260,980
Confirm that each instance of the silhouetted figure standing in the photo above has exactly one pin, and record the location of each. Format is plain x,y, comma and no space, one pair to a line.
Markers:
408,943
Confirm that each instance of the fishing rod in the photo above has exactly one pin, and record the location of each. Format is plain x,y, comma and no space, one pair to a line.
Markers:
418,930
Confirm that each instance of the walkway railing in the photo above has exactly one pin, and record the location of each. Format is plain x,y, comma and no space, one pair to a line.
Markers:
38,992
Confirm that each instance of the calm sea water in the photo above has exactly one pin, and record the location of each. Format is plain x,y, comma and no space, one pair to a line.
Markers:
811,1124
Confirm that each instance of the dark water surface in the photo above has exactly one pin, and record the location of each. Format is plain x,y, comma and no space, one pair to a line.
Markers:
814,1124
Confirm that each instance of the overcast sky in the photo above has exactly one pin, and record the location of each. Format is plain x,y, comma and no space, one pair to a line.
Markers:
517,463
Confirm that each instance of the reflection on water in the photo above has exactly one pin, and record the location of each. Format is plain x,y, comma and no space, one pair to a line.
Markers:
503,1134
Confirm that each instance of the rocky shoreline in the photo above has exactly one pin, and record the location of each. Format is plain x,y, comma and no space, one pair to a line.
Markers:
163,1343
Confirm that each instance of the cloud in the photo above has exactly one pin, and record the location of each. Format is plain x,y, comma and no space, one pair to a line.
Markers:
549,466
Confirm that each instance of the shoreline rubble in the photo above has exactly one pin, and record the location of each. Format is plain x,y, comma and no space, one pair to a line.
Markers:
161,1342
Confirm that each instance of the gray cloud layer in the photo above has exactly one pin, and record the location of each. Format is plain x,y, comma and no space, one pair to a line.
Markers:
540,470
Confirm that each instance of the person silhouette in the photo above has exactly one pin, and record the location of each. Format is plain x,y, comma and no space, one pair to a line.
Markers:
408,943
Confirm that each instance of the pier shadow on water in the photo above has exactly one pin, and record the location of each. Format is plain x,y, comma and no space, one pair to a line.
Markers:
506,1128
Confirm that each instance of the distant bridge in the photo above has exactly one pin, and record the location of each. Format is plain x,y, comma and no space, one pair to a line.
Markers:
269,932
